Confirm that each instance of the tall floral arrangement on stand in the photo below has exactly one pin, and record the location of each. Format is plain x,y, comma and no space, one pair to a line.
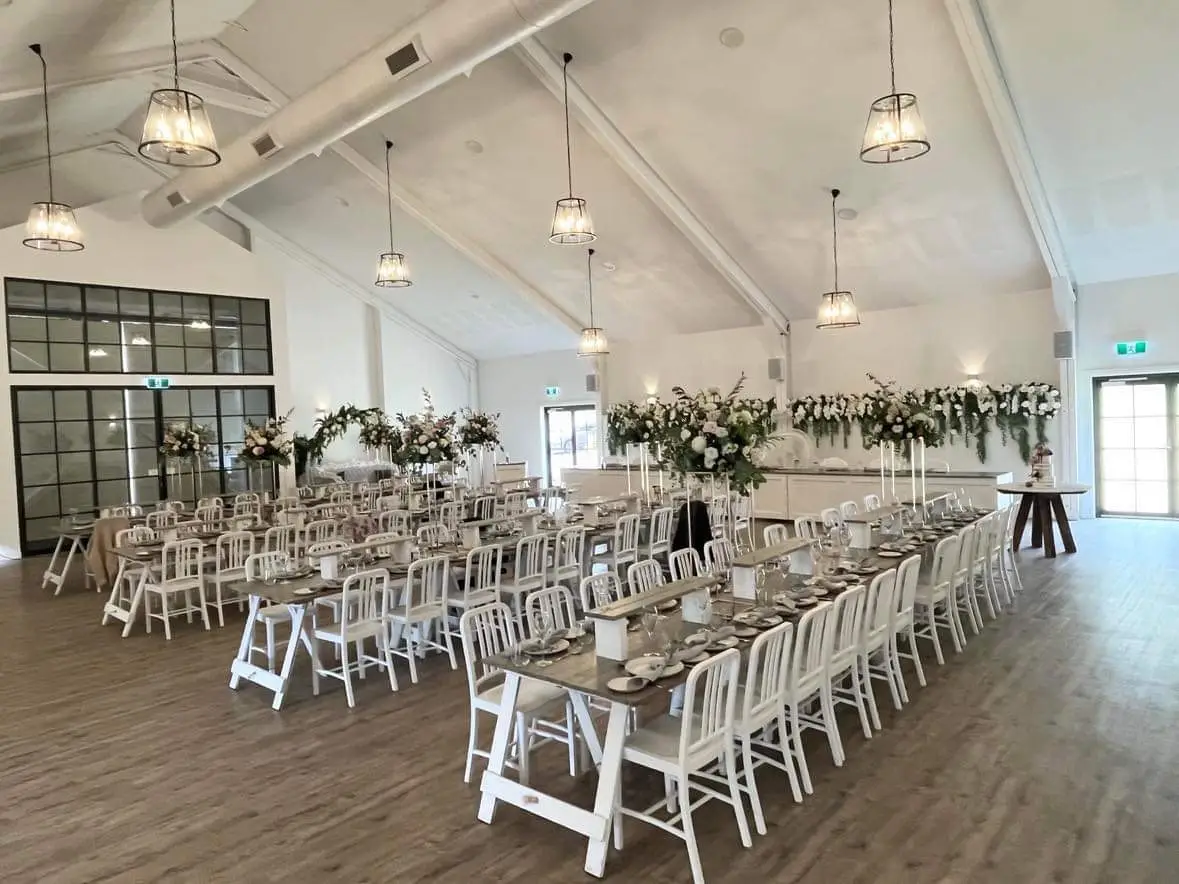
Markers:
379,434
894,416
633,423
479,438
185,440
267,443
722,434
428,437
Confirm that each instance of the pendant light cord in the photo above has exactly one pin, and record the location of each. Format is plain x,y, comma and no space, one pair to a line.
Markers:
835,239
175,52
389,191
589,275
892,64
36,47
568,141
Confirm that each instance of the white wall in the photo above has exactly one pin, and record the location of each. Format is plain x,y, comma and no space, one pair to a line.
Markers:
121,249
515,387
411,363
1108,312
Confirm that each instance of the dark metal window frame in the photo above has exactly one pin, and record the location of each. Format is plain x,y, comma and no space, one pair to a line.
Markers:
160,422
150,320
548,447
1171,380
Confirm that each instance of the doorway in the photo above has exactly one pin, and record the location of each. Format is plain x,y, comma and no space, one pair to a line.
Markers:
1136,421
570,439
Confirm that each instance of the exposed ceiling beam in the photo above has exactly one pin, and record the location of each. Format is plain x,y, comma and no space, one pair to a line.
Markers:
548,70
218,96
101,68
30,151
979,48
410,203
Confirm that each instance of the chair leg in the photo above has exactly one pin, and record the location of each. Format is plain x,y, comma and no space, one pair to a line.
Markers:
956,630
865,675
690,833
794,736
830,725
387,653
472,744
450,644
759,819
788,756
270,645
147,611
205,609
347,675
857,688
220,603
894,660
890,669
731,774
167,618
669,793
411,653
571,733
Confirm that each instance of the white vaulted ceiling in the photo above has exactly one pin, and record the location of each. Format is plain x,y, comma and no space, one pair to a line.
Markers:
748,141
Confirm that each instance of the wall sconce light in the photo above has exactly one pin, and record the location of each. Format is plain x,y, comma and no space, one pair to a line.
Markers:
974,382
652,399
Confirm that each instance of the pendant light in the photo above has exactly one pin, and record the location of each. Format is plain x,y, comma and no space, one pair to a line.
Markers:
52,226
895,131
837,309
391,269
572,224
593,339
177,131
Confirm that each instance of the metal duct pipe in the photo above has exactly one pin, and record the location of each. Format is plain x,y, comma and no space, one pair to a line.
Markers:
446,41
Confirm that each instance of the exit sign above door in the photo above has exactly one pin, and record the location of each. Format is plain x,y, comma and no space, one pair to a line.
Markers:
1130,348
155,382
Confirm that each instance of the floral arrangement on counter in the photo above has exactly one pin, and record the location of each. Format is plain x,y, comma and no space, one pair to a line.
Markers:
479,430
267,443
971,411
633,423
185,440
378,433
427,437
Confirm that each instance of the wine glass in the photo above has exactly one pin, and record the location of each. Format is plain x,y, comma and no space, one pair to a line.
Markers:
650,623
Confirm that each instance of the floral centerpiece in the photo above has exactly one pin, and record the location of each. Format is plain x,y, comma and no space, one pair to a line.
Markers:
378,433
267,443
427,437
632,423
479,430
892,416
717,433
825,416
185,440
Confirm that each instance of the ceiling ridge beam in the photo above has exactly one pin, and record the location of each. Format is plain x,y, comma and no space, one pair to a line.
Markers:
101,68
409,203
548,69
311,261
978,46
219,96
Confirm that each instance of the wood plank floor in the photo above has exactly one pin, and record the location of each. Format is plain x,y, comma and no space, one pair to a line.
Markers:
1046,752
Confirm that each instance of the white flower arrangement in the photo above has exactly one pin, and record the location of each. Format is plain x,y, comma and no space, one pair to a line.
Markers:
185,440
428,438
267,443
632,423
479,430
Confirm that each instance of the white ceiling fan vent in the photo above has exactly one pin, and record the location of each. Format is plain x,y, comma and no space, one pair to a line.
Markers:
265,145
176,199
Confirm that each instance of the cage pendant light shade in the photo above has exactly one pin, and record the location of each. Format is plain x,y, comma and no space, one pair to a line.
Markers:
52,227
392,271
593,342
838,310
177,131
572,224
895,130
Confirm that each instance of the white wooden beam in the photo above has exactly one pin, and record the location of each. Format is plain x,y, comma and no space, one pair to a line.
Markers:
101,68
979,48
218,96
548,69
410,203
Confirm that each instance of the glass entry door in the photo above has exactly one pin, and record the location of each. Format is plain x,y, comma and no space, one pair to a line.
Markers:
84,448
1137,420
570,438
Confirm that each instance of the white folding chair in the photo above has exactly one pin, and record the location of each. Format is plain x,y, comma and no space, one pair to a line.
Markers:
570,548
182,572
424,608
964,580
848,508
532,553
809,527
229,566
598,590
685,563
845,623
774,534
278,539
936,599
483,508
805,682
161,519
903,623
871,502
875,646
364,615
481,579
660,533
433,534
394,522
719,555
623,546
644,575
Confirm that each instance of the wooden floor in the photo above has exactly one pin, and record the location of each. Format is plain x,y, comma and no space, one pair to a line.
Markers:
1049,751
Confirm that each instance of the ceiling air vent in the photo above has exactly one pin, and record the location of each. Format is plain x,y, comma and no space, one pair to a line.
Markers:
176,199
265,145
403,59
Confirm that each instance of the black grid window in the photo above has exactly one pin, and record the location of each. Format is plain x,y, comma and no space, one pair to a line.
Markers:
68,328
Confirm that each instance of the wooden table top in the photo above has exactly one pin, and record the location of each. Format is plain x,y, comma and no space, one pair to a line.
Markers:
769,553
1020,488
869,516
637,603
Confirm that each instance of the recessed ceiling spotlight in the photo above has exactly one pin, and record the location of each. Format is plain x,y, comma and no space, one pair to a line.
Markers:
732,37
848,214
474,146
609,266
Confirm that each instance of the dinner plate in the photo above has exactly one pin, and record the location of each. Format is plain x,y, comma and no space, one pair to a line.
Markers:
807,602
302,590
667,606
627,684
747,632
822,590
728,641
785,607
698,657
889,554
535,649
697,638
746,618
574,632
645,667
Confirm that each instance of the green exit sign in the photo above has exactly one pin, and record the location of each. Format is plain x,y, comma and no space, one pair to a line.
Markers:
1130,348
552,392
155,382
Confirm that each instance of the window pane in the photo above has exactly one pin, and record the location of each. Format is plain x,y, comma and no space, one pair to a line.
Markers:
27,328
174,404
65,329
1117,432
141,403
73,436
38,469
102,331
138,360
198,360
1117,400
1118,497
110,434
255,336
41,502
196,306
229,361
167,305
168,334
35,405
227,310
67,357
134,303
1150,400
1150,432
42,529
67,298
22,293
28,357
80,497
232,430
112,493
145,462
258,401
1117,463
1153,498
204,402
37,438
1150,464
105,358
253,310
111,465
143,433
71,405
145,490
255,362
107,404
198,337
102,300
231,402
170,360
75,467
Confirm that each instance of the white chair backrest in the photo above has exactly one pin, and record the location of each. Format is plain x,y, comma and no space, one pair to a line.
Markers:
341,497
831,517
554,601
532,554
879,608
483,508
368,499
394,522
719,555
486,631
600,589
426,582
515,503
317,532
809,527
849,508
775,534
214,502
278,538
685,563
305,492
433,534
161,519
388,502
246,507
740,508
141,534
984,528
246,496
871,502
905,593
183,560
335,546
208,516
484,570
365,601
172,506
644,575
808,661
233,549
945,560
448,515
570,548
257,563
710,698
661,529
626,534
766,673
965,552
384,543
844,623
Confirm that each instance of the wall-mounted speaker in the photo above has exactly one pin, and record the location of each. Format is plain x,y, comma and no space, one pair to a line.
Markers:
591,383
777,369
1062,345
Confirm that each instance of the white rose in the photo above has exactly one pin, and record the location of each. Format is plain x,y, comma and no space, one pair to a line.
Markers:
721,432
685,435
698,444
711,453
